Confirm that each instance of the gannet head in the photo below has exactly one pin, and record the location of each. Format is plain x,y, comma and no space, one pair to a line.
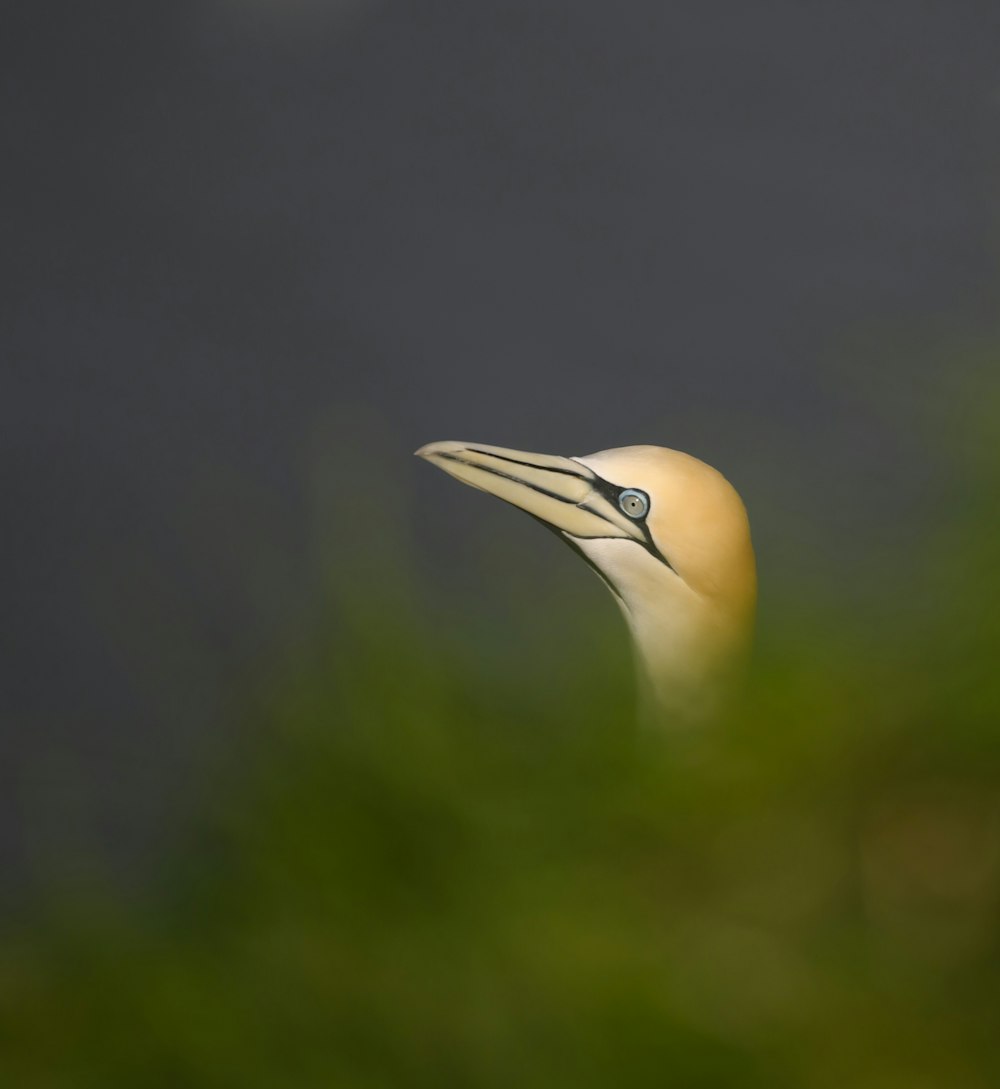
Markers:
667,533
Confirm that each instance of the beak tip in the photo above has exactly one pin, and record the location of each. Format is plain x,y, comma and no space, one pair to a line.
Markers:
432,449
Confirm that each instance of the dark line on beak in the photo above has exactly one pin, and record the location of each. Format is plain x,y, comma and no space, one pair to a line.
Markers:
532,464
597,514
609,491
507,476
534,487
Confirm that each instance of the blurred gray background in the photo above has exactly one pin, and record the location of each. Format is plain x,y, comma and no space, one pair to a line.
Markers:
250,247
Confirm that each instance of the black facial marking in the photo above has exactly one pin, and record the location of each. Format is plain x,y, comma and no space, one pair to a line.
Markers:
568,539
612,493
593,566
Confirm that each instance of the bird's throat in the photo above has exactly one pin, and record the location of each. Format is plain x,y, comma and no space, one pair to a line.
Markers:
689,657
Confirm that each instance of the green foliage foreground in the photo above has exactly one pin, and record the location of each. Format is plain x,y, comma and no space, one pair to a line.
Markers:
461,865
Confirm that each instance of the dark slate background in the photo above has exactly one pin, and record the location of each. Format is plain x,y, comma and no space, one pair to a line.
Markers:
246,244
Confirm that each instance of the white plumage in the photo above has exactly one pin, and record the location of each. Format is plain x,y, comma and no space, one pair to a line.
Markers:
669,536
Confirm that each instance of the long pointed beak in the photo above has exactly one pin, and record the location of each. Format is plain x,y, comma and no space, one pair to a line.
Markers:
561,492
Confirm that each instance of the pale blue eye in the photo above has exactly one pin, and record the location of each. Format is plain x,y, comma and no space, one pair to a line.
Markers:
634,503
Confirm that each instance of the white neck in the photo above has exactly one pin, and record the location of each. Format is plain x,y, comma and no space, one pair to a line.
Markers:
679,656
685,649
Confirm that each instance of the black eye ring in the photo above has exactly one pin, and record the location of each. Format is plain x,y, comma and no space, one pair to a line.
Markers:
634,503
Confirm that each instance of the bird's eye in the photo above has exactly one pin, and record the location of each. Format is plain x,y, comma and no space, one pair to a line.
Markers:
634,503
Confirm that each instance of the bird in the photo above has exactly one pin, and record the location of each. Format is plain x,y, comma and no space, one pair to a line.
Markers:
670,538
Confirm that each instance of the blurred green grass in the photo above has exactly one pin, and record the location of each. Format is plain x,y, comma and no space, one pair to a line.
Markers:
445,855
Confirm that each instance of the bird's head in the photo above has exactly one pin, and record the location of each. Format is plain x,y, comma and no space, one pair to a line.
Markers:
667,533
